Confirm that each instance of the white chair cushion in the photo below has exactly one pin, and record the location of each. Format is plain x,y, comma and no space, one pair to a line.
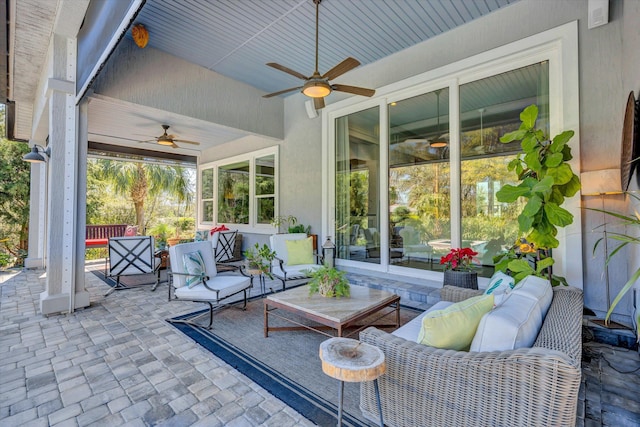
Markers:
176,254
517,321
226,285
294,271
410,330
279,245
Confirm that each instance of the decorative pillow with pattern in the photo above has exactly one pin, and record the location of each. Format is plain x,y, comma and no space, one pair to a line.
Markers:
201,236
194,267
500,286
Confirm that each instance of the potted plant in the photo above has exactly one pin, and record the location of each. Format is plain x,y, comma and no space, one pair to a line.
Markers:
286,220
258,259
631,222
458,268
328,282
546,179
161,233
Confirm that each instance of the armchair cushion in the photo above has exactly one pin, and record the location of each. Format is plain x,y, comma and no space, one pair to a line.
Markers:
226,285
300,251
454,327
194,266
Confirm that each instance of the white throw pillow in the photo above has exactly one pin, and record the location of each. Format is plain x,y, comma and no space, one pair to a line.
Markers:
517,321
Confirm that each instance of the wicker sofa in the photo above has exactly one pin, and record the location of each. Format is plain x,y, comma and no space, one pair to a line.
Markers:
537,386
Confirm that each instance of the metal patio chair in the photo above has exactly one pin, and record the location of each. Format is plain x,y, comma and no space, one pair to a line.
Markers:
130,256
194,277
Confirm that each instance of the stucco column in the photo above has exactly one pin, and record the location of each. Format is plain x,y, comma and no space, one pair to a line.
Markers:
60,291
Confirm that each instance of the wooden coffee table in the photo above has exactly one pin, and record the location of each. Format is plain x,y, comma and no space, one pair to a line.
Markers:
330,313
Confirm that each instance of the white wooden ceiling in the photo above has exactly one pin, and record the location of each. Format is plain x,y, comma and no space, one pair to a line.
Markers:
237,38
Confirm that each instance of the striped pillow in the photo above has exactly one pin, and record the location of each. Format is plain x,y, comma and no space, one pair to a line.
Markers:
194,267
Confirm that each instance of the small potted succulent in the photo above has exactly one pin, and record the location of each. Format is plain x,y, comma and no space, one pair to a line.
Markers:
458,268
328,282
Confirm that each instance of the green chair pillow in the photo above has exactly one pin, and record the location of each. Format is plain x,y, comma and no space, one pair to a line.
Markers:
453,328
299,251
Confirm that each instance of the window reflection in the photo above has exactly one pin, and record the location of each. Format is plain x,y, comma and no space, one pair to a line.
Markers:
233,193
357,183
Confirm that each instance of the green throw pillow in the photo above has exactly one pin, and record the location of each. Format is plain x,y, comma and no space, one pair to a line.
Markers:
299,251
194,267
454,327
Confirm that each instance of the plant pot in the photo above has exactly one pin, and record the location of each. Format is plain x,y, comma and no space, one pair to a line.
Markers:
462,279
172,241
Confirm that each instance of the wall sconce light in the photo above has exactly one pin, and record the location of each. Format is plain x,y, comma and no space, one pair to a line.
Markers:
35,157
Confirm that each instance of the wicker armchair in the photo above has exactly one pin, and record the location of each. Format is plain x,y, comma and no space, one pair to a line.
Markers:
537,386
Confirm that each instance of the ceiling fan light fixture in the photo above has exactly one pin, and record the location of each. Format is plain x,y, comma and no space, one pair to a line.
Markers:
163,140
316,89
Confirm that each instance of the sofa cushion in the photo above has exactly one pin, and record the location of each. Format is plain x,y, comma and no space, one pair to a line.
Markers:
517,321
300,251
454,327
410,330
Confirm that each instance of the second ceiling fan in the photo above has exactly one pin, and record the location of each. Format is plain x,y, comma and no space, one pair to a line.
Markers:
317,86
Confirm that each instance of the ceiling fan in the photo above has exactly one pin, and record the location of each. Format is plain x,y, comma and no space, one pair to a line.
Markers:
317,86
169,140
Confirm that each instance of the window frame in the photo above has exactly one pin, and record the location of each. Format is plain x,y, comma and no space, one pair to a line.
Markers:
253,226
558,46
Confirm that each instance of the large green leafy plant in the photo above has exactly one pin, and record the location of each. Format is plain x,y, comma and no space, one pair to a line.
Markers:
546,180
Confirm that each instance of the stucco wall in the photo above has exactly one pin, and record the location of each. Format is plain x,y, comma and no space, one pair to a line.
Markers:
155,79
609,63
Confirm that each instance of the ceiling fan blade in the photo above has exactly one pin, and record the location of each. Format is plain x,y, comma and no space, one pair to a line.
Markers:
318,103
287,70
354,89
185,141
281,92
346,65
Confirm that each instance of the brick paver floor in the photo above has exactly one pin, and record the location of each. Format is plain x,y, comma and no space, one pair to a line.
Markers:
117,363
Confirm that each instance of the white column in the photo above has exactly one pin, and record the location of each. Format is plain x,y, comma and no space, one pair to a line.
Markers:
81,297
37,216
60,292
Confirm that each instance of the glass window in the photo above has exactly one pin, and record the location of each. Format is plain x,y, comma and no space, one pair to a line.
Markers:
241,191
233,193
489,108
357,182
419,180
265,189
421,201
206,194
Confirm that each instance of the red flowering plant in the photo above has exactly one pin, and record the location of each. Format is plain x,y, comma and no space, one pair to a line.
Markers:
460,259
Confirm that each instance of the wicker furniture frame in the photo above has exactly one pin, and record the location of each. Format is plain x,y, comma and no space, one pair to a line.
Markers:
537,386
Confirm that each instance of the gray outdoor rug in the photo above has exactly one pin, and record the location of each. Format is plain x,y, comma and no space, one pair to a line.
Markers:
286,363
131,281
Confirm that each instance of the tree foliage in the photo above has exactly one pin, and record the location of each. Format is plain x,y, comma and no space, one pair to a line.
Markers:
147,188
14,195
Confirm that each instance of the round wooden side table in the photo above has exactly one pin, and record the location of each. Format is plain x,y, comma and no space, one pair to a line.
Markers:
346,359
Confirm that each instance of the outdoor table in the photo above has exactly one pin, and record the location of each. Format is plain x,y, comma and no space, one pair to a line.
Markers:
346,359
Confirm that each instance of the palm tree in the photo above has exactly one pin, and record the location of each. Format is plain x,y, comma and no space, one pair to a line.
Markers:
138,180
